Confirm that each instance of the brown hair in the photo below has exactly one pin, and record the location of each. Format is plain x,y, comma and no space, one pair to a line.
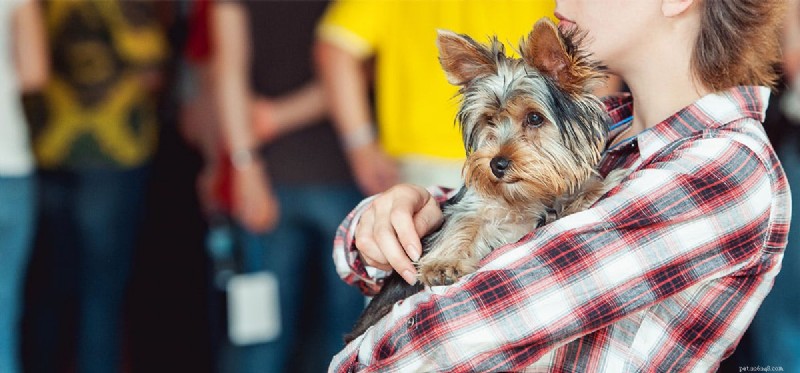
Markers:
738,42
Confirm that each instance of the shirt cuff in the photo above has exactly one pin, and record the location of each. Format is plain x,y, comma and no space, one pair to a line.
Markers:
345,39
346,257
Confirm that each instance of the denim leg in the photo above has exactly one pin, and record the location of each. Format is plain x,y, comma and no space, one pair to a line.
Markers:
108,214
17,200
283,253
57,248
775,330
342,304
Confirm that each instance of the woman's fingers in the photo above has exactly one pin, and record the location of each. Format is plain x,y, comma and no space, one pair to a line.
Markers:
407,236
388,234
365,242
429,217
419,217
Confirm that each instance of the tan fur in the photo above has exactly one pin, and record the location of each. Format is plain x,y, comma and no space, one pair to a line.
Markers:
558,58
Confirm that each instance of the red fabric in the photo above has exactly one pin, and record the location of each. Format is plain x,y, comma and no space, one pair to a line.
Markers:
198,45
223,188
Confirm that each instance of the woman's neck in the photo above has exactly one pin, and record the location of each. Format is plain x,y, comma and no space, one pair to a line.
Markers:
658,96
660,75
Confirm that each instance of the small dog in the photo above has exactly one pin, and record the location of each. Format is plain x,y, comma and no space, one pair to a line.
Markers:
534,135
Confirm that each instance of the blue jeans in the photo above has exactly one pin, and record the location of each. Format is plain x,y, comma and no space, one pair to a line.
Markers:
775,331
17,211
310,216
89,225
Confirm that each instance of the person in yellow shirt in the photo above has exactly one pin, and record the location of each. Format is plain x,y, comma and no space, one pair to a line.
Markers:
418,140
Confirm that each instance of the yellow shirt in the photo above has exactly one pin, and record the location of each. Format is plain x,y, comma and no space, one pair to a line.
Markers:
416,107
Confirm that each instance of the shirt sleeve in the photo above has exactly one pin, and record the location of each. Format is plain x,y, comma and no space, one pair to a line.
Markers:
345,255
696,212
354,25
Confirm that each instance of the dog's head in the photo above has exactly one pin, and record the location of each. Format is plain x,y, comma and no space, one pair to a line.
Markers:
531,127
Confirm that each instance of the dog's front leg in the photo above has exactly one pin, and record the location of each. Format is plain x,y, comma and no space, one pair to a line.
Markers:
452,253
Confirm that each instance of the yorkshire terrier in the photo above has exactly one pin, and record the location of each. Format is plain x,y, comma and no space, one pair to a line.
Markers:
534,135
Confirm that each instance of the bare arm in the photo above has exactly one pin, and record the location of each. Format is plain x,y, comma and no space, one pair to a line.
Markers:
31,55
298,109
200,127
254,204
231,40
344,80
304,105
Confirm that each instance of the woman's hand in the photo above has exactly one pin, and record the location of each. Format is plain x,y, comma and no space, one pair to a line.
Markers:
388,234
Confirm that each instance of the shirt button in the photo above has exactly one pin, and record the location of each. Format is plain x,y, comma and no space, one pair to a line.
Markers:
411,322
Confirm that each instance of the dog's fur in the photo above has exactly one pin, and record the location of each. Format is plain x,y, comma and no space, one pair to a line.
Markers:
534,135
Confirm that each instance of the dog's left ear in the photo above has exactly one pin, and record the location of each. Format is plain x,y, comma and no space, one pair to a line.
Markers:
555,56
462,58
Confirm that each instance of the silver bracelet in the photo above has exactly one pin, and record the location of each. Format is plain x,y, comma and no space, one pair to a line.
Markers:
358,138
241,158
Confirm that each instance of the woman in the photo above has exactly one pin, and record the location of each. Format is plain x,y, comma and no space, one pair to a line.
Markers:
665,272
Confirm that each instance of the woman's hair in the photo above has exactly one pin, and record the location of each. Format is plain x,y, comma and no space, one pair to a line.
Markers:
738,43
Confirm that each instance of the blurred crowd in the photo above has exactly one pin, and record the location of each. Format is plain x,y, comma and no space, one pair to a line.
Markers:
172,173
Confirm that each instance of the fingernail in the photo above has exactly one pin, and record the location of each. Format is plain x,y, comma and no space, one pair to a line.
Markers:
409,276
414,252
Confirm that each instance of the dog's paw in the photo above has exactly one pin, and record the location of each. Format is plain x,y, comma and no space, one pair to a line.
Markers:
437,272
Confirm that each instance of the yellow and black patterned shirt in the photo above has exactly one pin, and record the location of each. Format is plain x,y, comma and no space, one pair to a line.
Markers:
98,109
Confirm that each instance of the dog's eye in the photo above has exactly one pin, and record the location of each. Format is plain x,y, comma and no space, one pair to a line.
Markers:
534,119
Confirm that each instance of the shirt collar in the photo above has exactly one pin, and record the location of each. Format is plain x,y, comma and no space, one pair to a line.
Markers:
710,111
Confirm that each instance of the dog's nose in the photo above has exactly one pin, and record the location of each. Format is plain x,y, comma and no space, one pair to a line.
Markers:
499,166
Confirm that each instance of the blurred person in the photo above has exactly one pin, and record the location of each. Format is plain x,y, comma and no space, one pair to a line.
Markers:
94,131
417,140
774,335
23,68
291,185
199,120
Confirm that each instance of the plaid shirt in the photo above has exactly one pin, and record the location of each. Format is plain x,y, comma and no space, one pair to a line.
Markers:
664,273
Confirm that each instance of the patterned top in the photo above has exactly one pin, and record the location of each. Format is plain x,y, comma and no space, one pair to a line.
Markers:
98,110
664,273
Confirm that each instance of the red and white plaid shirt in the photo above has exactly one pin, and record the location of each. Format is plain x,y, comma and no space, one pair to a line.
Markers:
663,274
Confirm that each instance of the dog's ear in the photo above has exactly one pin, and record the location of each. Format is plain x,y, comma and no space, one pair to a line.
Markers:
462,58
557,56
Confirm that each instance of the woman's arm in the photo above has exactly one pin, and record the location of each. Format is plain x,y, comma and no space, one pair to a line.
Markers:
692,216
359,270
31,55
